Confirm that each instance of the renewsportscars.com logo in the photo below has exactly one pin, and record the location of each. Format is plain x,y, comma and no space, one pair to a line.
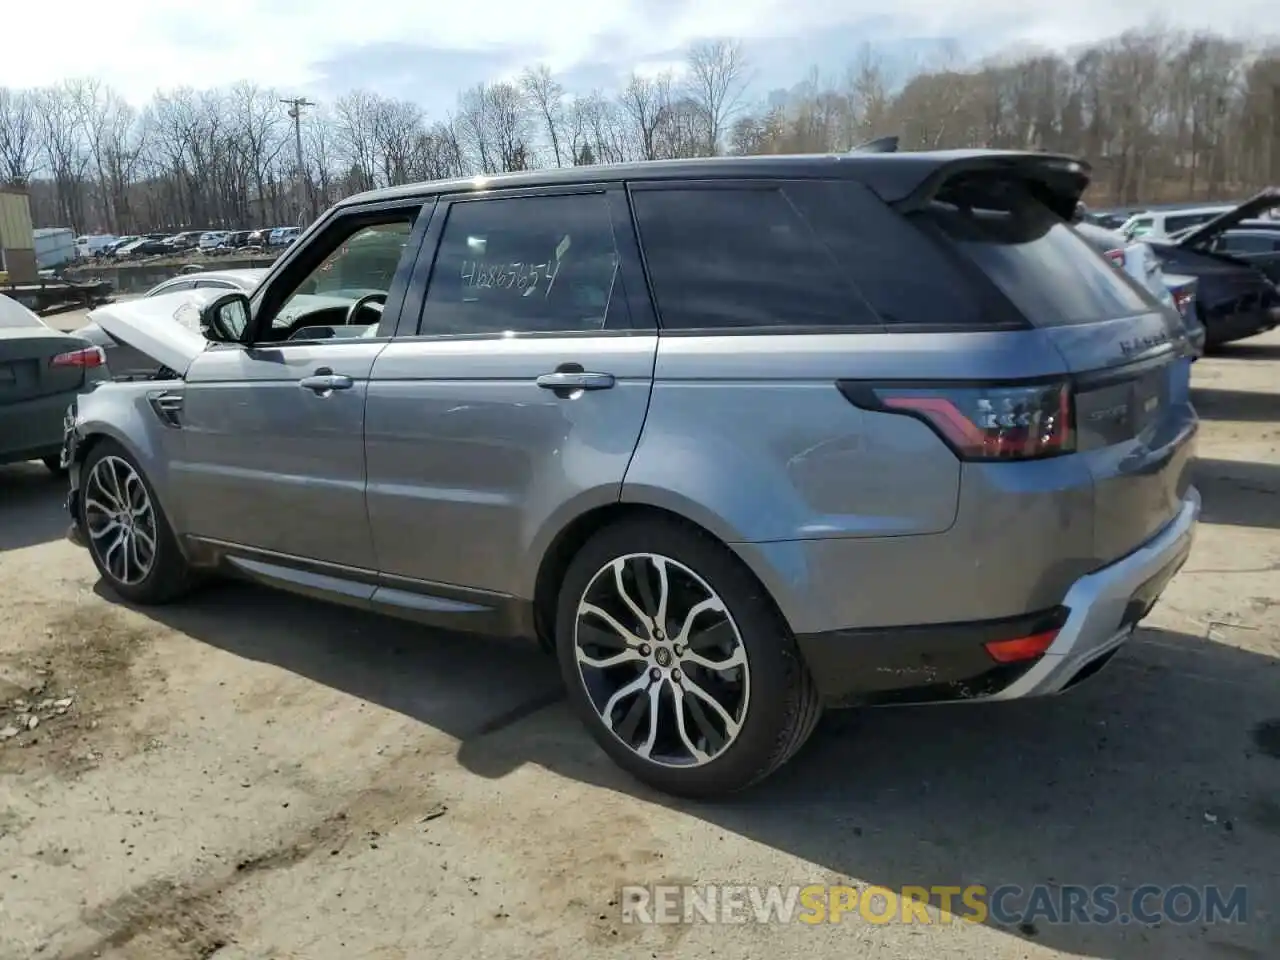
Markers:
1147,904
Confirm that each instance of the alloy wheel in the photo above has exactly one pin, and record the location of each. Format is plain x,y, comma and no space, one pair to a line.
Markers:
120,519
662,661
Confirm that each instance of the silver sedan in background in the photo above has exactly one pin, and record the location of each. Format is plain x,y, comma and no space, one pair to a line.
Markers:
123,360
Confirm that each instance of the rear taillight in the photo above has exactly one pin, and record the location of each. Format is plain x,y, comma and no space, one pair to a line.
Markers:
1022,648
998,422
1116,256
87,357
1182,300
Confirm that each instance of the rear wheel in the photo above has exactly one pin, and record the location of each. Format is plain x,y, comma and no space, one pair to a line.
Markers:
128,535
677,661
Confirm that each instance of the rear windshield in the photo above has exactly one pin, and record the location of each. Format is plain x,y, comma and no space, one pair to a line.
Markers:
1051,275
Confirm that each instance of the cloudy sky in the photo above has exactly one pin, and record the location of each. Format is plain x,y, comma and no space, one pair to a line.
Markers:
428,51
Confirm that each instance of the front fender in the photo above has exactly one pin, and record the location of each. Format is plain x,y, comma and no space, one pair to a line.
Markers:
123,412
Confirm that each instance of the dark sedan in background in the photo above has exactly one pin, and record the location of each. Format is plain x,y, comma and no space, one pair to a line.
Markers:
1235,296
41,372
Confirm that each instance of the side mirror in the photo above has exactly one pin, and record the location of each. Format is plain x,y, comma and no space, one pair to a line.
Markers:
226,319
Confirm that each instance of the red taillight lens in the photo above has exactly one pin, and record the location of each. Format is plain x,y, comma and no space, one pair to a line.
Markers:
1182,300
1022,648
88,357
1116,256
1000,422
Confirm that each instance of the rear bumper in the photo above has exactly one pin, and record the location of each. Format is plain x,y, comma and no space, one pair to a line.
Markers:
31,429
948,662
1105,606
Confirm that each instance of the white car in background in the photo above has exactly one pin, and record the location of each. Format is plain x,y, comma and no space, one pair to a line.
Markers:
126,361
1162,223
1137,260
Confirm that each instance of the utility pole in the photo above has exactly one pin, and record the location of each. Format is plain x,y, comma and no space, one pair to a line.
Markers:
295,114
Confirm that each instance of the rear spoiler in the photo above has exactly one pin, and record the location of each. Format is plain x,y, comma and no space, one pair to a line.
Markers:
1057,180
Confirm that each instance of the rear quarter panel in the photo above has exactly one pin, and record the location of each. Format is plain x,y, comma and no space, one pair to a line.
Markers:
749,436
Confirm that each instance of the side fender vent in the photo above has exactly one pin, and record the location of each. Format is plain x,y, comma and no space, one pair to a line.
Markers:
167,406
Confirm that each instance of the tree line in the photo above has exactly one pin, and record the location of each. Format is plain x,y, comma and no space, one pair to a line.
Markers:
1162,116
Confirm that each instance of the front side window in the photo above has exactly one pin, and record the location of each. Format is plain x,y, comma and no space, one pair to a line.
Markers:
524,265
364,264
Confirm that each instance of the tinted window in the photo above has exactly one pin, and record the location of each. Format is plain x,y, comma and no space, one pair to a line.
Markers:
524,265
219,284
1045,269
1174,224
903,274
721,258
1249,243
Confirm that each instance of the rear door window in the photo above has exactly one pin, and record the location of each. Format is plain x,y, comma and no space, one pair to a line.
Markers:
741,256
1036,260
522,265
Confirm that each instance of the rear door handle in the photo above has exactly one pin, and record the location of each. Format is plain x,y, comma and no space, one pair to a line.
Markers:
576,380
324,383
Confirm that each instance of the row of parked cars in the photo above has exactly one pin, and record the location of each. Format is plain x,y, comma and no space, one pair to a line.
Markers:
1230,252
208,242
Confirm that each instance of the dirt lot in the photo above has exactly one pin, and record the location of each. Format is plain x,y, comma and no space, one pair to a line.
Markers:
250,775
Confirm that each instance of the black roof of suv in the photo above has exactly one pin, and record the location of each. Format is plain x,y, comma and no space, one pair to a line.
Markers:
895,177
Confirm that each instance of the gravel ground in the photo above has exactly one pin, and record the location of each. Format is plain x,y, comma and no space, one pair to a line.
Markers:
252,775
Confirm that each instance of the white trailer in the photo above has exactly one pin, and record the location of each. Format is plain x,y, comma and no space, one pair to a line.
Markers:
54,246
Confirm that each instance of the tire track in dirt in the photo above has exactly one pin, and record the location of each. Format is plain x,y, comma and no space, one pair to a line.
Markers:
78,682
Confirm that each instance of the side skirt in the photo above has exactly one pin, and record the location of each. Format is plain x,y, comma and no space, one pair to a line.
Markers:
439,605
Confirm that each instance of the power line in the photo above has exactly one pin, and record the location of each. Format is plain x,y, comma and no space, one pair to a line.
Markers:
296,105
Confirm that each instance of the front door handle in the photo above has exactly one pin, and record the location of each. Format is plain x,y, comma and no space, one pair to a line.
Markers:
326,383
570,380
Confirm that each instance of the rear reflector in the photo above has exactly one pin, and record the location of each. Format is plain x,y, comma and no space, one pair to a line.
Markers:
1116,256
1021,648
1182,300
88,357
997,422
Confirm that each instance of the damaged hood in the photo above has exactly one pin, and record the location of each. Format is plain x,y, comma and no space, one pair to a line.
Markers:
165,328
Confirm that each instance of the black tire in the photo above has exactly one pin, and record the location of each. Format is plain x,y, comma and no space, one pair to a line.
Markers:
54,465
783,706
169,576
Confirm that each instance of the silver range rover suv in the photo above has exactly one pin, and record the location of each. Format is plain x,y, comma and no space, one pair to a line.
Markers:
736,438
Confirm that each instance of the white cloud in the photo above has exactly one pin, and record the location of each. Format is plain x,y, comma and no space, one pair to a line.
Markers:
138,46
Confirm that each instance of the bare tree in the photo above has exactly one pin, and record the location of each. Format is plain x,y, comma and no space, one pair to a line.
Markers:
546,95
19,136
1159,116
717,80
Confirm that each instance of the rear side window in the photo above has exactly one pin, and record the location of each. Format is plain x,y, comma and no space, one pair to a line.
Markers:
1040,264
721,258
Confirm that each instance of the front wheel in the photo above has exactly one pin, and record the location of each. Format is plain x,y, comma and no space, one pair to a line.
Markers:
677,661
128,535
